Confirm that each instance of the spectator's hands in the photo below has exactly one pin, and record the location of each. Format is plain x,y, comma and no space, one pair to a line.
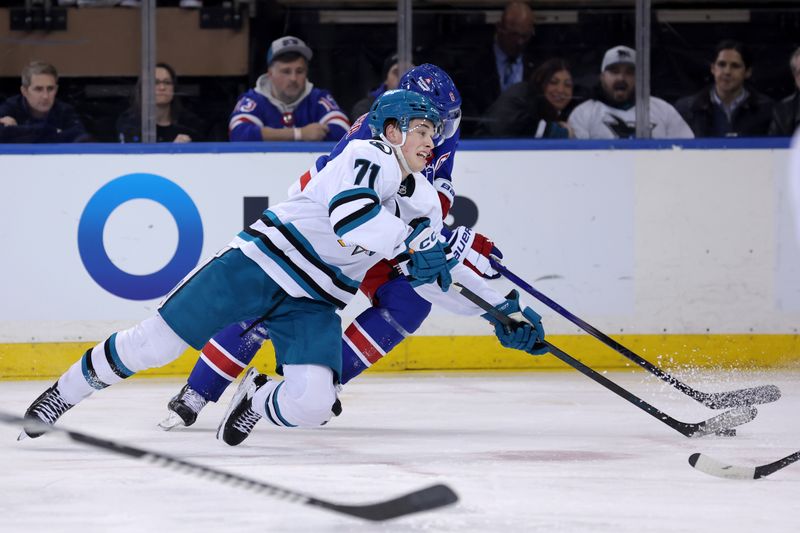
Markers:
314,131
8,121
568,128
182,138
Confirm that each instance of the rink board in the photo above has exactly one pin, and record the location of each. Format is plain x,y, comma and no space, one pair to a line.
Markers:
671,352
684,250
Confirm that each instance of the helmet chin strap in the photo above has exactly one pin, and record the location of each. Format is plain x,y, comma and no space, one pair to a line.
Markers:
398,152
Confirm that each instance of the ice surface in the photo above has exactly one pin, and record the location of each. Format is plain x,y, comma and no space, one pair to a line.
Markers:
549,452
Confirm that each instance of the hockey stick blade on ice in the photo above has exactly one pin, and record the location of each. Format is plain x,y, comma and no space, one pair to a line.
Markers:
417,501
724,421
713,400
713,467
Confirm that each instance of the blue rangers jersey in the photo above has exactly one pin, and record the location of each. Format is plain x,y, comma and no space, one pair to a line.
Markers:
438,171
258,108
321,241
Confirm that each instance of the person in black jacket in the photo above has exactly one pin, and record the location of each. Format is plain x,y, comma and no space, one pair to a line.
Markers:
786,114
35,115
491,67
729,107
173,122
536,108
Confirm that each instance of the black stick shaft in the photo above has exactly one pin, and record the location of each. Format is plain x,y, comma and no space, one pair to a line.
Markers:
425,499
755,395
723,421
770,468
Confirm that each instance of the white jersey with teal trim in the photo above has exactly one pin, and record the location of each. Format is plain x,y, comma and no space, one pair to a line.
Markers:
322,240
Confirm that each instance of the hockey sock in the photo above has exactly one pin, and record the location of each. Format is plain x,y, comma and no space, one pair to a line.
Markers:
149,344
224,357
372,335
398,312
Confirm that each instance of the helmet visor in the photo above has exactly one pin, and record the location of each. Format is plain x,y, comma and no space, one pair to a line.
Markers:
451,122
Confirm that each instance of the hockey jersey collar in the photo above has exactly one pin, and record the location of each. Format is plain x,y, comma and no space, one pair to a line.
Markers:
264,88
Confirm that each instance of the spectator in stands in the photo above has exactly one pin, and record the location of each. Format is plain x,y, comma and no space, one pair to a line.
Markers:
483,77
536,108
728,108
611,112
36,116
173,122
786,114
391,79
284,105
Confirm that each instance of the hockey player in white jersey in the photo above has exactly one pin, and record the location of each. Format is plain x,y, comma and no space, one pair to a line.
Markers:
295,266
611,112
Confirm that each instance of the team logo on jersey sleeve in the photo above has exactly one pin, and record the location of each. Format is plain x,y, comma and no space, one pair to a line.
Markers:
246,105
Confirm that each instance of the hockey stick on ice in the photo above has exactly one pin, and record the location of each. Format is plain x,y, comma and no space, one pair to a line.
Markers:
713,467
417,501
724,421
713,400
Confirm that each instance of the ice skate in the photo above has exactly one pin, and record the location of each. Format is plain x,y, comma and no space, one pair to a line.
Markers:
240,418
45,409
183,409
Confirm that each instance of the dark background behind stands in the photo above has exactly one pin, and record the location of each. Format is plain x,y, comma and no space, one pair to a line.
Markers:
348,55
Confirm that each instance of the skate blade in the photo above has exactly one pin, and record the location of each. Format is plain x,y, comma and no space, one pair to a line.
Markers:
22,436
171,422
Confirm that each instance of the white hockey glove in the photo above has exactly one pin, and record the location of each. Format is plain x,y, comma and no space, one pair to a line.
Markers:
475,251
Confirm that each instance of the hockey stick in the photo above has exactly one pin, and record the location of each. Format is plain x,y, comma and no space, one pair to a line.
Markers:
713,467
720,423
417,501
713,400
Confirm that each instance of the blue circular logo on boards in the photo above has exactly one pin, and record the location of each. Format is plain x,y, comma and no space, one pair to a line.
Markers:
114,194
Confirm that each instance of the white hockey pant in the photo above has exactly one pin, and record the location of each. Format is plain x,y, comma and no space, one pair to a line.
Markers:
303,399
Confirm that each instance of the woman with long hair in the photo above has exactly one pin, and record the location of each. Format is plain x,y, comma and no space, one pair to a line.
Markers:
173,122
535,108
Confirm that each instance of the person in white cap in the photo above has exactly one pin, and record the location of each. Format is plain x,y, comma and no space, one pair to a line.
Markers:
611,113
284,105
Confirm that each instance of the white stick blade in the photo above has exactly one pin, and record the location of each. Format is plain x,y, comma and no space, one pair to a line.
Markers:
716,468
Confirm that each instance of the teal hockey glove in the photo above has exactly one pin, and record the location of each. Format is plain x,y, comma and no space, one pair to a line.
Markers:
527,335
427,255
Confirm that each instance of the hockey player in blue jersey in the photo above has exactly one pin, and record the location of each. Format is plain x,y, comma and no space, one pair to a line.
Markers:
397,310
284,105
294,267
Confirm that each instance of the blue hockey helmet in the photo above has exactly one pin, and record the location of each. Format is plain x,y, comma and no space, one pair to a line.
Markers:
403,106
434,83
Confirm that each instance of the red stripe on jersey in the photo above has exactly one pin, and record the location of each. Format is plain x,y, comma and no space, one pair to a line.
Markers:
363,344
304,179
222,361
445,202
238,121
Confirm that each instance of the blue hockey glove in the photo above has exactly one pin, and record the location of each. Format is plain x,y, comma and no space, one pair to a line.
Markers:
427,256
527,334
475,251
